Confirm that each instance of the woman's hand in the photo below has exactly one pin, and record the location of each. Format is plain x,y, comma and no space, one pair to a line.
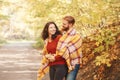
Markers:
50,57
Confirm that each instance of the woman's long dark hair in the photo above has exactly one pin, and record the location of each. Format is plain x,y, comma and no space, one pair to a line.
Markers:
45,33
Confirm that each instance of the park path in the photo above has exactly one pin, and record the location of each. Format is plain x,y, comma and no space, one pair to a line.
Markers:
19,61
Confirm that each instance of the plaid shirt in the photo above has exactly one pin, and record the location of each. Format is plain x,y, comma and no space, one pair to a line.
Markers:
69,47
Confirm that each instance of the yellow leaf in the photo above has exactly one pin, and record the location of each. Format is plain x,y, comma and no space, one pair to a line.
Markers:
108,64
98,63
97,43
98,57
103,61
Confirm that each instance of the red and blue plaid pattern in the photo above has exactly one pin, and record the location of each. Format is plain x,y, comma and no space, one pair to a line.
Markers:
69,47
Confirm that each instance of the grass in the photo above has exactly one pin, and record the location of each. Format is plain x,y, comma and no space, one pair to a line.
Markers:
2,42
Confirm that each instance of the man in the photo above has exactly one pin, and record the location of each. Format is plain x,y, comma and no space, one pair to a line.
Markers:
69,47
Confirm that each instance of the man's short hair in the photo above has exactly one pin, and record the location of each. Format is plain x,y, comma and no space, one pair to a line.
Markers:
70,19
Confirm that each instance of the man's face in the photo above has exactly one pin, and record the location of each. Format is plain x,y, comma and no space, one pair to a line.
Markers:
65,25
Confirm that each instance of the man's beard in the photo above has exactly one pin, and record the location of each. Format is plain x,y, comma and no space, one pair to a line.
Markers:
65,28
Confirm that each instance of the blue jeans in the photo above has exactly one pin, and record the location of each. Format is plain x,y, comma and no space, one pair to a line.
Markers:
72,75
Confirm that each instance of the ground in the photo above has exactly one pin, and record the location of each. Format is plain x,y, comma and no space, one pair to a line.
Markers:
19,61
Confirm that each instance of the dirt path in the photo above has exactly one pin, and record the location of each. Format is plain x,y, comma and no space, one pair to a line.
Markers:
19,61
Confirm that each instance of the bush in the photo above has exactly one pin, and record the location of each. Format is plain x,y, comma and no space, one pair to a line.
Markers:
2,42
39,44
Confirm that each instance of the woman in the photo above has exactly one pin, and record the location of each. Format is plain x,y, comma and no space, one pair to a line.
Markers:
57,67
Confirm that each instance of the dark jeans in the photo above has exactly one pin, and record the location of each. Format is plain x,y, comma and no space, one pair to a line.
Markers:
58,72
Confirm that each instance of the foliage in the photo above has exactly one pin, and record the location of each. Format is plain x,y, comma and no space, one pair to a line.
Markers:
39,44
104,40
89,14
2,41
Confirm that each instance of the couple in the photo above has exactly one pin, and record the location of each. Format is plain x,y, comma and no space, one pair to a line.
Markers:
61,52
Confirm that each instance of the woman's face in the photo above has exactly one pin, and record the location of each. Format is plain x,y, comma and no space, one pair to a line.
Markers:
51,29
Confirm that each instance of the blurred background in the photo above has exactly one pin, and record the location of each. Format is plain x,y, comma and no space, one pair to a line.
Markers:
25,19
